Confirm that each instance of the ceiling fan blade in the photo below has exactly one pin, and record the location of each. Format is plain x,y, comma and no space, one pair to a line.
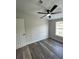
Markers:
42,13
54,7
43,16
56,12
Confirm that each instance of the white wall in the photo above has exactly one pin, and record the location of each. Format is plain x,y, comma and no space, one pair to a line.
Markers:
36,29
52,29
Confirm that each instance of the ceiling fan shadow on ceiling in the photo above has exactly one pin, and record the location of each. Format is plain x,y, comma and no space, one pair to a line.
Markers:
49,12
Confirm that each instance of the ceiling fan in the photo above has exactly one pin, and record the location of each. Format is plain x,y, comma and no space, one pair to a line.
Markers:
49,12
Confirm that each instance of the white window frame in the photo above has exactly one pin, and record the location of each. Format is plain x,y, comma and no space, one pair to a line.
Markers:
59,28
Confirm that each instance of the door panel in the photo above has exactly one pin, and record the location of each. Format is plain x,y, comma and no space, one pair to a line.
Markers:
20,33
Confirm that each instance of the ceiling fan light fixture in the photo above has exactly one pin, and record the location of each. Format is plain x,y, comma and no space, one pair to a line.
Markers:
48,15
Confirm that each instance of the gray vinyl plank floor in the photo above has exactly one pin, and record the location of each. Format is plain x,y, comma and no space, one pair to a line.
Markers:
45,49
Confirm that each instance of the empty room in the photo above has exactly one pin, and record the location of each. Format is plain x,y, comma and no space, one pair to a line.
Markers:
39,29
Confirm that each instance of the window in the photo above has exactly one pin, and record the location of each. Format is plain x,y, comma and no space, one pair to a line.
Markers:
59,28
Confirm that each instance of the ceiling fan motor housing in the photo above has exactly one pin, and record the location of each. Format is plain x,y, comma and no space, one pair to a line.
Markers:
48,11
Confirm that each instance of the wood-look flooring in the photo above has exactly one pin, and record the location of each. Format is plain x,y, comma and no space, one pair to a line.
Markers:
45,49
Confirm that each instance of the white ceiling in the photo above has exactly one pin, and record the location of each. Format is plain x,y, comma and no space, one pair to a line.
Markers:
33,6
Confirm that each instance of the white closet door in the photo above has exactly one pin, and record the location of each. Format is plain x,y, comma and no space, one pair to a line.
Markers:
20,33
